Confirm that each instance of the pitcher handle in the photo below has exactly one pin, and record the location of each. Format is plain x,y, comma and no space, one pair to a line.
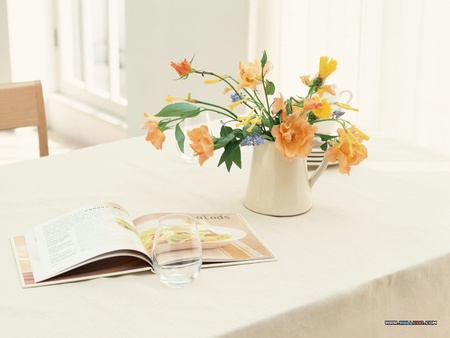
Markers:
321,168
319,171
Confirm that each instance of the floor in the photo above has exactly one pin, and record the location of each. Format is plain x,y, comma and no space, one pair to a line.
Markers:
22,144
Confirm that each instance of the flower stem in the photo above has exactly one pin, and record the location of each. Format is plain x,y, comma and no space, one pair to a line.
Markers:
226,112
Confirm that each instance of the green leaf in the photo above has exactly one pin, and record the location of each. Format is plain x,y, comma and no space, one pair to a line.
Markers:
179,109
256,130
237,156
324,146
179,136
270,88
223,141
231,154
325,137
266,123
225,130
223,157
163,125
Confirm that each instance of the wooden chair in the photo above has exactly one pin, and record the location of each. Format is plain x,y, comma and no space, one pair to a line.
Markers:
22,105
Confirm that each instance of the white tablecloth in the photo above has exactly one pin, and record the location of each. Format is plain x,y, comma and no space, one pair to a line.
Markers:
374,247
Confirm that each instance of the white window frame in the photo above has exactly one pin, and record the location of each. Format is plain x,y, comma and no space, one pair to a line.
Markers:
85,90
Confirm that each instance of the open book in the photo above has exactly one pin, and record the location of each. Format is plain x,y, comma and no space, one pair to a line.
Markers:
102,240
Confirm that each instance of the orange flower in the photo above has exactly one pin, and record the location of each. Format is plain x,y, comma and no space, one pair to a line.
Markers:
154,134
348,151
305,80
311,104
183,68
293,136
326,89
278,104
202,143
250,75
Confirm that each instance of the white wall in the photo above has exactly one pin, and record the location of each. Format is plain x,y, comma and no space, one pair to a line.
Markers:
415,72
31,41
391,54
160,31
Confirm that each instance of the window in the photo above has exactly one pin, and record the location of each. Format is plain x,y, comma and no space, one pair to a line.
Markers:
91,52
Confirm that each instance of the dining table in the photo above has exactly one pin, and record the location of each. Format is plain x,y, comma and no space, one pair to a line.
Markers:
371,258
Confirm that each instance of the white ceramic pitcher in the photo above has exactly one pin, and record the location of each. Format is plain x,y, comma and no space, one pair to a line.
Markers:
279,187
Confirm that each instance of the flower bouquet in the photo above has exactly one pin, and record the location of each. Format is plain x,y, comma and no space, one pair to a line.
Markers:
290,123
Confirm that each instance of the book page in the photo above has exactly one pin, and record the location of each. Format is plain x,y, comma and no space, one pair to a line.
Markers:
107,265
101,240
79,236
226,238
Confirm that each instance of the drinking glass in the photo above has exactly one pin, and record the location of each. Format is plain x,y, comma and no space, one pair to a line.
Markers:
189,124
177,250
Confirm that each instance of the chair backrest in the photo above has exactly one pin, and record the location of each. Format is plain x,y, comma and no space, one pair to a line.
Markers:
22,105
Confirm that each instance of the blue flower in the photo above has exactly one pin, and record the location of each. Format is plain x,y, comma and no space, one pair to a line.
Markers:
253,140
338,113
236,97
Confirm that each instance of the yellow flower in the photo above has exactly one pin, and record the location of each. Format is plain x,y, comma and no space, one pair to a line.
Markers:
237,103
211,81
215,80
253,122
324,110
360,133
170,99
252,119
154,134
345,106
326,67
245,119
